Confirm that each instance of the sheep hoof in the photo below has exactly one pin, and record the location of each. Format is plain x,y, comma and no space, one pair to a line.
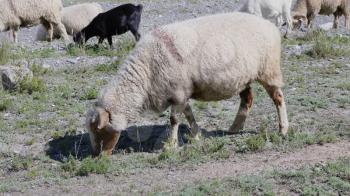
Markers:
171,145
284,130
197,136
235,128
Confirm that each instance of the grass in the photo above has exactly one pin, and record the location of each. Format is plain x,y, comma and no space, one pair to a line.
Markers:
331,178
29,86
89,94
5,50
292,140
53,107
124,45
325,46
89,165
198,151
5,104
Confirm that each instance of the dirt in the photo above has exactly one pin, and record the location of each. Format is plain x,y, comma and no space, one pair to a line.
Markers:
172,178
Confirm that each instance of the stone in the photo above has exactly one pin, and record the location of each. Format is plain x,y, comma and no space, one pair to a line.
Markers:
326,26
11,76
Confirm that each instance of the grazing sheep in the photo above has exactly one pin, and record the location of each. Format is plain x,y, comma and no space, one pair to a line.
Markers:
209,58
116,21
23,13
271,9
306,11
74,18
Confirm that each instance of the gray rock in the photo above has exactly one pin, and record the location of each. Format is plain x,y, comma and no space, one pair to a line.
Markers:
326,26
12,75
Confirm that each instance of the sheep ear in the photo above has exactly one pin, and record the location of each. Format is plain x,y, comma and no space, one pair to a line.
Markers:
102,118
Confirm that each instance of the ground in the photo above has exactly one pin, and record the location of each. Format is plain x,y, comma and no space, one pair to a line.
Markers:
44,147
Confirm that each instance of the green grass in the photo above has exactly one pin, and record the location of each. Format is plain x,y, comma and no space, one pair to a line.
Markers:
89,165
21,163
5,50
124,46
246,185
199,151
110,67
34,84
324,48
5,102
331,178
90,93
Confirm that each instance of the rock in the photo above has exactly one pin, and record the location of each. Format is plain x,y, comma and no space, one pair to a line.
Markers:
72,61
12,75
326,27
296,50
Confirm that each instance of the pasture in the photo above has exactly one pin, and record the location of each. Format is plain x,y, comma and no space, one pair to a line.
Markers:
45,150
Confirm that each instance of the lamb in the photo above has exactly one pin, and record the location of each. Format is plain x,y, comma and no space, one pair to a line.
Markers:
116,21
209,58
74,18
24,13
271,9
306,11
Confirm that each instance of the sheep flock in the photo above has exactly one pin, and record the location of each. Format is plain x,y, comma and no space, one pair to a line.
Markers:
208,58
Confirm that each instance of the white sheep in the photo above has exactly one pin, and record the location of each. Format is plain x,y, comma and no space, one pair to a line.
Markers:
277,10
74,18
23,13
306,11
209,58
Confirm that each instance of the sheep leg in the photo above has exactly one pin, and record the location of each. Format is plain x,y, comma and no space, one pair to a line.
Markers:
100,40
195,130
336,21
110,41
14,33
243,111
49,32
174,126
276,95
309,21
346,21
61,31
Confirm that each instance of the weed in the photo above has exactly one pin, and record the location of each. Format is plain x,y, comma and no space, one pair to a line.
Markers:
99,165
201,105
325,49
245,185
32,85
5,50
38,70
89,94
255,143
5,104
199,151
320,180
107,67
21,163
344,86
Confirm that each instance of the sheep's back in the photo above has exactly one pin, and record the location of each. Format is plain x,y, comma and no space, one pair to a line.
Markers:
218,55
76,17
30,11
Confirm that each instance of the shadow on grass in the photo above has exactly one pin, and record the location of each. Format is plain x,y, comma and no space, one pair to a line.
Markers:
135,139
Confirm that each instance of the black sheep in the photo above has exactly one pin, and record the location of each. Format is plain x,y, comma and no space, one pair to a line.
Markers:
116,21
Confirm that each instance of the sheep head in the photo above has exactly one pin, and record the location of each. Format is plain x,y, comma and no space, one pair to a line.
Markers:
79,38
103,136
298,20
